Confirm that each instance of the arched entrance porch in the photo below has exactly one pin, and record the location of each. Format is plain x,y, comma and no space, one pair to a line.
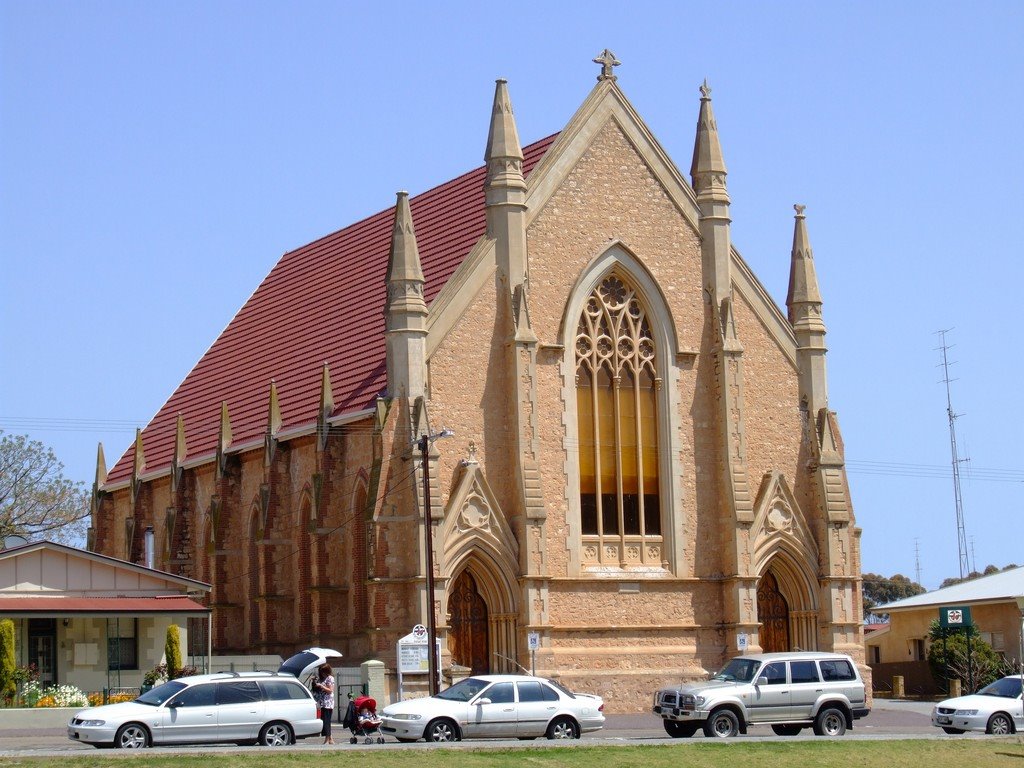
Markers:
482,620
786,608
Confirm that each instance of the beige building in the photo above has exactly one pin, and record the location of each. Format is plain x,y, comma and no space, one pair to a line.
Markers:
93,621
901,647
645,470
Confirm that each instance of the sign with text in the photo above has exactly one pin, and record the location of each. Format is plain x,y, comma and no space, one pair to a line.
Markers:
412,652
955,617
742,640
533,639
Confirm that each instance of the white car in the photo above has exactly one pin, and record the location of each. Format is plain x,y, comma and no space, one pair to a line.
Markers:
269,708
495,707
997,708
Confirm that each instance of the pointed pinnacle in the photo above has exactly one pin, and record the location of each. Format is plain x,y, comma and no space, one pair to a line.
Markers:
707,150
404,259
502,136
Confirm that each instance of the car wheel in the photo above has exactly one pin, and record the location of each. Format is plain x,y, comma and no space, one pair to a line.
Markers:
563,728
786,730
441,730
723,724
999,724
276,735
678,730
131,736
830,722
952,731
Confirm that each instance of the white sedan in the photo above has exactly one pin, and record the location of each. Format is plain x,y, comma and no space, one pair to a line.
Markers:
496,707
997,708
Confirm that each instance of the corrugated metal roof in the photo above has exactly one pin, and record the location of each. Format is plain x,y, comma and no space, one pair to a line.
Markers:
1005,585
321,303
62,606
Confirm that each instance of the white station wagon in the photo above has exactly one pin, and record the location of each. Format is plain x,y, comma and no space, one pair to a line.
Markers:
269,708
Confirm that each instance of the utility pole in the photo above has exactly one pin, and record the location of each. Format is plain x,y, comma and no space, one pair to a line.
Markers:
424,445
961,534
917,561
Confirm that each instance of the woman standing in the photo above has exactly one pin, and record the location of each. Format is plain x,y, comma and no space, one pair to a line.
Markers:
323,692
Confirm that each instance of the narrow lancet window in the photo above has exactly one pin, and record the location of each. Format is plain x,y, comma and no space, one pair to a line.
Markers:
617,417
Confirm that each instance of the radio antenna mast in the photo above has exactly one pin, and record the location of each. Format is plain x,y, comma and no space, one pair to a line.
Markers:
961,534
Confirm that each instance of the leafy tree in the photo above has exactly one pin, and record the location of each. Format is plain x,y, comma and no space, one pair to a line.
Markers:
36,500
989,570
984,664
172,650
7,680
880,590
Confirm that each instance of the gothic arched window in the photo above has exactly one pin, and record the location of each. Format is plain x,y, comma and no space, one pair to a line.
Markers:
617,416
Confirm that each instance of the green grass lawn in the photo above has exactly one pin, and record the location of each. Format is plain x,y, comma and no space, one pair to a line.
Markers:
966,753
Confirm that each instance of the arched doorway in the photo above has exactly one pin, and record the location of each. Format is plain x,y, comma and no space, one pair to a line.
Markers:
468,622
773,614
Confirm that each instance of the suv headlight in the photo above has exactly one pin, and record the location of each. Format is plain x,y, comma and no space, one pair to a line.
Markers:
91,723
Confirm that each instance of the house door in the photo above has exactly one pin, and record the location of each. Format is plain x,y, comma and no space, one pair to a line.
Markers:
468,640
42,648
773,613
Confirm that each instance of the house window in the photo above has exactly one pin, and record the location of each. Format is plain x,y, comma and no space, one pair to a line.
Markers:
122,644
197,636
617,415
917,649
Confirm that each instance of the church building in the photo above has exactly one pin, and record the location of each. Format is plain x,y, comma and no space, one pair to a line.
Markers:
644,474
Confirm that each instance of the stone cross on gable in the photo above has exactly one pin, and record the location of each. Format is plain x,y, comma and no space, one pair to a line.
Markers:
607,60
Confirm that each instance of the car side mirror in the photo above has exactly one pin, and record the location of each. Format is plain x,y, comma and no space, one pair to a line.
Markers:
174,704
761,681
481,702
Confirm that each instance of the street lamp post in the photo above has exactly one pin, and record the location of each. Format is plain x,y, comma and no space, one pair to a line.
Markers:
1020,656
424,445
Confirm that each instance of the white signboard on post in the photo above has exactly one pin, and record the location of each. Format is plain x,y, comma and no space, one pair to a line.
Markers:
742,639
412,655
533,638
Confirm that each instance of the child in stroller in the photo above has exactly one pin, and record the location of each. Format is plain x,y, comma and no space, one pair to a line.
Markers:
361,719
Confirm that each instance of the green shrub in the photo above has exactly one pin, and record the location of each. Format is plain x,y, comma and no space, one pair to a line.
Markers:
172,650
8,686
984,664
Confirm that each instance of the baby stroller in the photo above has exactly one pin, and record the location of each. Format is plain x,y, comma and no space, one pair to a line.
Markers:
361,719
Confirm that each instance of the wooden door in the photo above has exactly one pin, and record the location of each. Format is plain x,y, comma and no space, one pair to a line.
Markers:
468,640
773,613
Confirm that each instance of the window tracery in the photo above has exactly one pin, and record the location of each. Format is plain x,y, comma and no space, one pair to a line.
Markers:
617,416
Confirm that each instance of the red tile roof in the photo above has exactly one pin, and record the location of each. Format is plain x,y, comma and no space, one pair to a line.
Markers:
321,303
58,606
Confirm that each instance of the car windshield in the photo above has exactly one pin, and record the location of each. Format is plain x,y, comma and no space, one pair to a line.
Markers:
741,670
464,690
1008,687
157,696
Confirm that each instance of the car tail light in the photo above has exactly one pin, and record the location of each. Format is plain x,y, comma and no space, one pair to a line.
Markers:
318,715
601,708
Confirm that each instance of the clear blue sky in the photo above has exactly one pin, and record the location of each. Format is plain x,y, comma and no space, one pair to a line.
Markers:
156,159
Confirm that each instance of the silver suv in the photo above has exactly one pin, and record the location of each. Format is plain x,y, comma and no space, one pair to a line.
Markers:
788,691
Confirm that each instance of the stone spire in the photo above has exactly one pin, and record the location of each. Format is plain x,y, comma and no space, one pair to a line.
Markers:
405,315
708,173
804,308
505,191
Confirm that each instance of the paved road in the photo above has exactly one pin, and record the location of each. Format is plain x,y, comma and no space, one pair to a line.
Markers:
888,719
